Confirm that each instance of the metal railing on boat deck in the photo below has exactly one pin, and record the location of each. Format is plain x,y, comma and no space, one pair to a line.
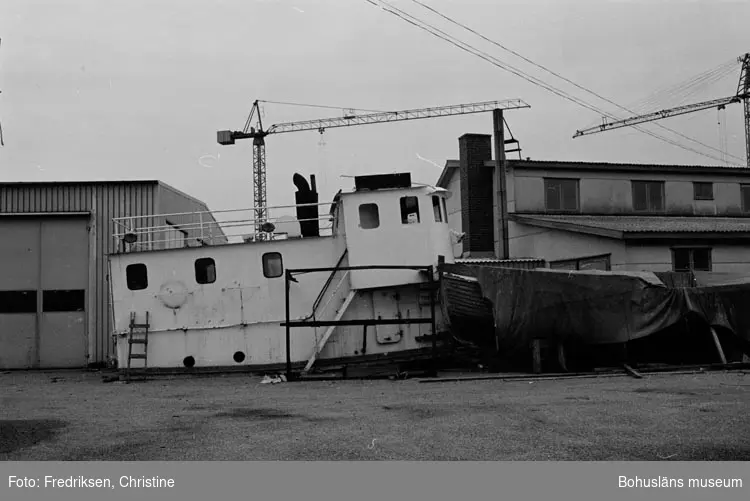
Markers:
194,229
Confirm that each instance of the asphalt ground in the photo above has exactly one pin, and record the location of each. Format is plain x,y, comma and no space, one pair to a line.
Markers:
75,416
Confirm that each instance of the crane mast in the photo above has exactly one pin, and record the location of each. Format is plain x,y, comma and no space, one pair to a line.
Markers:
743,89
257,133
742,94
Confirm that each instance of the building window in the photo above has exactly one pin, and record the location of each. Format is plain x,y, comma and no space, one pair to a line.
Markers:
561,194
369,217
745,193
64,300
137,276
445,211
436,209
585,263
17,301
648,196
205,270
684,259
703,191
272,265
409,210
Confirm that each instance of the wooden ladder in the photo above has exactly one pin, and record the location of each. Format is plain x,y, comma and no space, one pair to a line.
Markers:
140,330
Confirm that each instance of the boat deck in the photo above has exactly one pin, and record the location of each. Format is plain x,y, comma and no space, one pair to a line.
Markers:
195,229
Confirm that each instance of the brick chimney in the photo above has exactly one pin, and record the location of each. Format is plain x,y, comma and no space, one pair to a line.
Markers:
477,211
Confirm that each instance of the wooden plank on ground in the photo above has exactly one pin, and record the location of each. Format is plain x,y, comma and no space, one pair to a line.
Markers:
329,331
536,350
632,371
717,343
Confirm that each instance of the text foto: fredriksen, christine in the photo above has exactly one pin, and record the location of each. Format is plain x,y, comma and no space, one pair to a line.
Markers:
81,482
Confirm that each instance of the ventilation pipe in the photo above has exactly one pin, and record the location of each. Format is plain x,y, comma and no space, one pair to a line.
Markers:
307,195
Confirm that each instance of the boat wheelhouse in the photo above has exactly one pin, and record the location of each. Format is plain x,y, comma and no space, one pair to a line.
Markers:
303,291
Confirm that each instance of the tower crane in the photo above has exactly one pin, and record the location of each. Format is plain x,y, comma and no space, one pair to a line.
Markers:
742,95
258,134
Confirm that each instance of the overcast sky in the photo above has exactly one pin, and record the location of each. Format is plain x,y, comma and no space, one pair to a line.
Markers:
137,89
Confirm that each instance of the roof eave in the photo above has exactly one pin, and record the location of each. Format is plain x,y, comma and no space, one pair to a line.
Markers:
687,235
565,226
447,173
613,167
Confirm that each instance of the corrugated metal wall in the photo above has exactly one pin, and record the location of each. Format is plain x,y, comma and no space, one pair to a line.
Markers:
173,201
105,201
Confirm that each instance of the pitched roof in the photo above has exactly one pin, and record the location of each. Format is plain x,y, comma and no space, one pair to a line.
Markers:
445,176
605,166
626,227
657,169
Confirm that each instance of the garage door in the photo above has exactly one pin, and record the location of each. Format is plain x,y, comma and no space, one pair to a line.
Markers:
43,282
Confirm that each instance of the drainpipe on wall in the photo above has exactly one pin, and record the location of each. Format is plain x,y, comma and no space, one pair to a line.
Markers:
501,176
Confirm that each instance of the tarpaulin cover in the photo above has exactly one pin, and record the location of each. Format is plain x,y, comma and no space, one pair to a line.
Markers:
598,307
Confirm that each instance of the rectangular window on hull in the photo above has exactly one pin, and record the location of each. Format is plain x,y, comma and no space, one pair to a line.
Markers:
369,216
17,301
436,209
273,266
409,210
63,300
684,259
205,270
137,276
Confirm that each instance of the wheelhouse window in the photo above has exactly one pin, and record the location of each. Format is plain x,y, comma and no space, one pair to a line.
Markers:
436,209
136,276
205,270
561,194
273,266
409,210
369,216
648,196
703,191
685,259
445,211
745,193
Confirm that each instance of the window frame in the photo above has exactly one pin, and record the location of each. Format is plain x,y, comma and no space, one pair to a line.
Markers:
697,196
212,264
63,300
646,182
745,208
264,264
445,209
691,259
437,215
128,281
577,261
403,207
18,302
576,182
377,215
